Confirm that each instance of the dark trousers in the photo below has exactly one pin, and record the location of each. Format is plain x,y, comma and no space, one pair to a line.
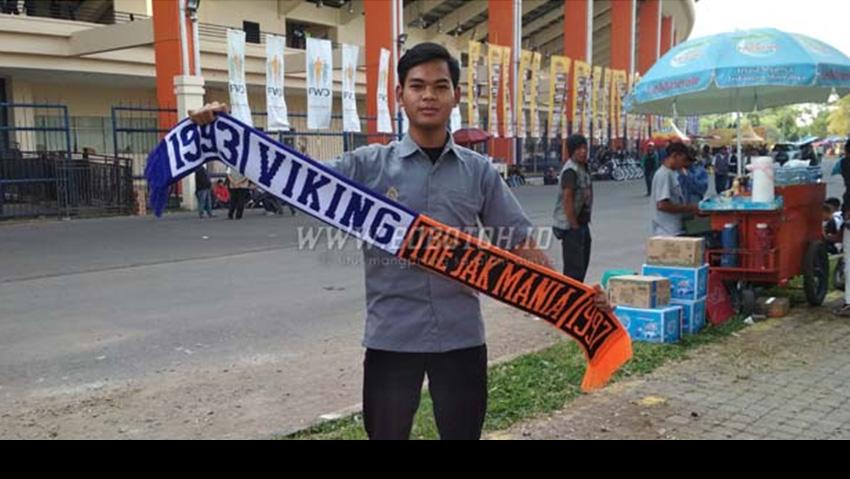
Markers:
647,177
721,183
238,199
575,246
392,385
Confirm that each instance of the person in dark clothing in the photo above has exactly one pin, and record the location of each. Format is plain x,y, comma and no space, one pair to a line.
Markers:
203,192
571,219
650,164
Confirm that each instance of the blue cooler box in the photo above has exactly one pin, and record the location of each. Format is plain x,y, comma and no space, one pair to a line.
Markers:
661,325
693,315
686,283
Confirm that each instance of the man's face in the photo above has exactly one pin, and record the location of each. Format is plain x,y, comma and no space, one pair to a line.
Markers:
678,160
428,95
580,155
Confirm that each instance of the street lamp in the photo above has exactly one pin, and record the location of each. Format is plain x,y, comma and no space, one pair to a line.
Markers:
192,6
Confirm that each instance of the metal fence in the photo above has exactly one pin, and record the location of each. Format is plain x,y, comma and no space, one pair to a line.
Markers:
41,175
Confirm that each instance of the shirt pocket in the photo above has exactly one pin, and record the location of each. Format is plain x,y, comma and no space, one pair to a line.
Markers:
455,207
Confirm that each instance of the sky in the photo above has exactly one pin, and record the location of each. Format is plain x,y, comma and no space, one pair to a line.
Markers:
825,20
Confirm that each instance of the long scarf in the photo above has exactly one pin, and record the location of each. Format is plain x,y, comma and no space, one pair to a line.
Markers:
326,195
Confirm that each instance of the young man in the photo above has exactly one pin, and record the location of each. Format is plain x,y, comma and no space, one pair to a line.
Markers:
693,178
203,192
668,198
572,209
650,164
721,170
419,323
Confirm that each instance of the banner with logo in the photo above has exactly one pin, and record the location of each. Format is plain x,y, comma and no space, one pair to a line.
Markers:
559,71
473,117
239,106
278,117
582,98
507,106
319,84
385,118
523,89
533,114
455,121
350,118
494,79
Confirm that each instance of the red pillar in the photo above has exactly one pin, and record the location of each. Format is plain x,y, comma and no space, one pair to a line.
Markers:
501,32
649,12
622,34
379,21
167,52
666,35
576,38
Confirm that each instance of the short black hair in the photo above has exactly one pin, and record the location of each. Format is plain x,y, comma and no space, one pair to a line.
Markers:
834,202
676,147
574,142
426,52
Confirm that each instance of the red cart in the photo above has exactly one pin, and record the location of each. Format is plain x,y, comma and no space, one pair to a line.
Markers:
774,247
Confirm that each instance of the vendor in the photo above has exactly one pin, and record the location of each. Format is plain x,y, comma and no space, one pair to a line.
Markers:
668,199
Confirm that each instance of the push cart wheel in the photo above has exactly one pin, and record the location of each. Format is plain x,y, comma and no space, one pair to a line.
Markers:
838,279
816,273
748,301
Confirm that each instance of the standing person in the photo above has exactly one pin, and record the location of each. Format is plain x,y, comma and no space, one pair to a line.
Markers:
203,192
693,178
419,323
844,168
721,170
668,200
573,209
239,194
650,163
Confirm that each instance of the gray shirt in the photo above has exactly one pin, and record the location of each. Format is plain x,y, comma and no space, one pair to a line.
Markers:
576,178
666,186
408,308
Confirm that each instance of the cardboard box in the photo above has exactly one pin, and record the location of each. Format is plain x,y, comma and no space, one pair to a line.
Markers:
774,307
685,283
693,315
675,251
639,291
662,325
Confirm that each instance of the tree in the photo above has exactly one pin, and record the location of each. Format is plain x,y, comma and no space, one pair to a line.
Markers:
839,119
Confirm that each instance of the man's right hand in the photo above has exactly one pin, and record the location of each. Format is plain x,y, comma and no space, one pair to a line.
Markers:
206,115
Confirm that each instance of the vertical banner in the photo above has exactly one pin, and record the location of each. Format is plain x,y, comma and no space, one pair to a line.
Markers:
319,84
559,70
582,96
278,117
350,118
385,119
473,116
597,82
507,106
523,89
535,91
631,120
494,77
618,94
239,107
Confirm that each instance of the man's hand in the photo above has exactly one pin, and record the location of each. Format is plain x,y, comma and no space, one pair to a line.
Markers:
206,115
601,299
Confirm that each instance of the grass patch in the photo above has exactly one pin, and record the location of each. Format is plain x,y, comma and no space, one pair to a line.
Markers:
536,383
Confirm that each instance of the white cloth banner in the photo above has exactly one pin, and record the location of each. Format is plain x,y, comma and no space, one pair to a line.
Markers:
385,119
239,107
455,119
275,100
319,84
350,119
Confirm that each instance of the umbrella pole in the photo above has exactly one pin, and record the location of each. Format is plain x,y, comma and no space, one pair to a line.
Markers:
738,133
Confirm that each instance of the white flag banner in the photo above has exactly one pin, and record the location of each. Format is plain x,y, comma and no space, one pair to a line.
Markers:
455,119
319,84
405,121
239,107
350,119
385,120
278,119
